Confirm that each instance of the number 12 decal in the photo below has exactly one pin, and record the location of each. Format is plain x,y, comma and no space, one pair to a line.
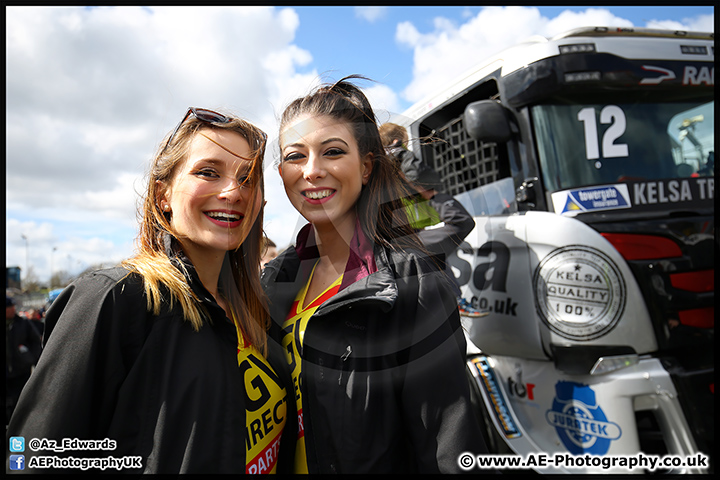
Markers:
613,115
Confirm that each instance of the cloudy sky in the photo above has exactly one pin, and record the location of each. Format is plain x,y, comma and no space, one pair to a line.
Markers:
91,91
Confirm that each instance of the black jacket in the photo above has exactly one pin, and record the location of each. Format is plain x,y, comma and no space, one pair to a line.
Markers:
457,224
443,240
23,346
162,391
384,388
19,361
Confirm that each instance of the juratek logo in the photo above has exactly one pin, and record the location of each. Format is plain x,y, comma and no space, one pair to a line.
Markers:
579,421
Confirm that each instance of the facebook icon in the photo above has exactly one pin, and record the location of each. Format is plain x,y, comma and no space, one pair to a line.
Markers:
17,462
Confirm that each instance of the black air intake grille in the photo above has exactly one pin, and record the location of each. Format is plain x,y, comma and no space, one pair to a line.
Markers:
462,163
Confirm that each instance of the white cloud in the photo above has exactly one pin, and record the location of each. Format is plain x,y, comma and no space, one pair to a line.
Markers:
49,250
448,50
568,20
702,23
91,92
383,99
371,14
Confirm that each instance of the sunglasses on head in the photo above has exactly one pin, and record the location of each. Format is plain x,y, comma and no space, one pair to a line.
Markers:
207,116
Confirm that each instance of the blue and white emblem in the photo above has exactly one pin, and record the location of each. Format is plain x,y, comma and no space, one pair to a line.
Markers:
589,199
579,421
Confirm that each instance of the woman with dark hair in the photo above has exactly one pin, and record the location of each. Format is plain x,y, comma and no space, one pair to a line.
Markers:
368,321
166,357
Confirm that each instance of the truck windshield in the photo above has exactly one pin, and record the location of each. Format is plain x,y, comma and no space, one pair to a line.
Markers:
594,144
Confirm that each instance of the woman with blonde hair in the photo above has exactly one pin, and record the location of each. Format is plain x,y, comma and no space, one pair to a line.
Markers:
166,356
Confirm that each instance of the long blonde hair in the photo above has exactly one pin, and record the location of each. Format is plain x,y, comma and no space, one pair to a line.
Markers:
239,278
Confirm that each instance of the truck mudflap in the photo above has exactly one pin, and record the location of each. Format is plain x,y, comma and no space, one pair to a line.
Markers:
575,424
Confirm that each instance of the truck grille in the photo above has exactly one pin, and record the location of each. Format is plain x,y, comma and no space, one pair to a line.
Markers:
462,163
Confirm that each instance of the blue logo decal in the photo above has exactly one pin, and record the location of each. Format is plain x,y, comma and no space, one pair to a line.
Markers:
607,197
580,423
17,444
17,462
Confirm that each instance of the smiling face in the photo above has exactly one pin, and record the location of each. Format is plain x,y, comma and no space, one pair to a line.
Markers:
322,170
210,210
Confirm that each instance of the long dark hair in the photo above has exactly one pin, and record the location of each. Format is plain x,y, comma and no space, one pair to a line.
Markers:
380,208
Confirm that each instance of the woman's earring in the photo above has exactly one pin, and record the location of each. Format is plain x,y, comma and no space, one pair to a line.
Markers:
166,207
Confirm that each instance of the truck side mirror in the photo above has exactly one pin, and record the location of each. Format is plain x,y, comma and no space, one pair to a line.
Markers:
487,121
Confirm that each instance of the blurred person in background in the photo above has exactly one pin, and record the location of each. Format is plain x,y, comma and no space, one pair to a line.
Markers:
440,220
270,251
23,346
36,318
